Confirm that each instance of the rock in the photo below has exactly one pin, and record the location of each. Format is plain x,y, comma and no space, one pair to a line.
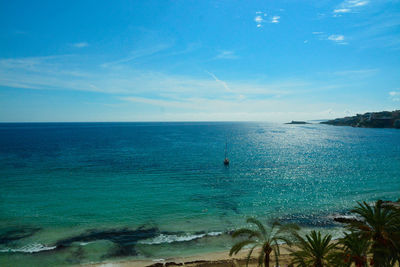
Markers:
346,220
397,124
297,122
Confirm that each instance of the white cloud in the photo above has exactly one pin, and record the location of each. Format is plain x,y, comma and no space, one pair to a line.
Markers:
259,18
275,19
226,54
80,45
336,37
349,6
355,3
341,10
395,95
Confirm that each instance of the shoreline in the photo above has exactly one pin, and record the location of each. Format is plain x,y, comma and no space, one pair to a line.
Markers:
221,258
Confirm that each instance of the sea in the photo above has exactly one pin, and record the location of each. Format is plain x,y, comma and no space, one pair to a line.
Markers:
76,193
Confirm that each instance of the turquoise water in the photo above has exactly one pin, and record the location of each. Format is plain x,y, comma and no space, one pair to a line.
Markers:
82,192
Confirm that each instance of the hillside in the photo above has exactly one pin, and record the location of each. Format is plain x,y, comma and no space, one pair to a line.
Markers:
383,119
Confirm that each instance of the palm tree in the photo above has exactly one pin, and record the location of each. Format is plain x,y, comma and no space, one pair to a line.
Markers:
314,250
380,224
354,250
395,207
261,237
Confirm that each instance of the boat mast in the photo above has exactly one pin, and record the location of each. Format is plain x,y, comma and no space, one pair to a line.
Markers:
226,147
226,160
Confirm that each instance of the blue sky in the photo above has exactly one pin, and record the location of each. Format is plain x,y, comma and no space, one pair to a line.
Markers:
197,60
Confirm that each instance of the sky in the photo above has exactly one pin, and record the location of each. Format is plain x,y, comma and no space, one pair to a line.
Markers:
185,60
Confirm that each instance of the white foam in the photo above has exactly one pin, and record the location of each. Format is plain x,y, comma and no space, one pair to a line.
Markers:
214,233
158,260
31,248
344,216
167,239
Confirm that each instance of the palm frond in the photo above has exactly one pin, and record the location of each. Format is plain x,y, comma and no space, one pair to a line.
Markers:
238,246
249,254
313,248
259,225
261,258
245,231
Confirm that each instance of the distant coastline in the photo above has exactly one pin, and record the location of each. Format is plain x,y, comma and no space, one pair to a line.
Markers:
383,119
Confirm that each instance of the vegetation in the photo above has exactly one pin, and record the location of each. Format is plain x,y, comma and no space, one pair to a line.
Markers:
265,238
354,250
373,239
380,225
314,250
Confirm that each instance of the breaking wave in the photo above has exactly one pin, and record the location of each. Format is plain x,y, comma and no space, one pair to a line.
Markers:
31,248
166,239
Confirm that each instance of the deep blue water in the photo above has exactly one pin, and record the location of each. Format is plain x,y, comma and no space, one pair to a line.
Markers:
154,190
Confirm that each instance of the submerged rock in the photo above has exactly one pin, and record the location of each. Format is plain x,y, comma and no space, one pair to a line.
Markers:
17,234
125,239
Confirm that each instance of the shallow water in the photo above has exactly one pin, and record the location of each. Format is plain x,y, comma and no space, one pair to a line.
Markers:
81,192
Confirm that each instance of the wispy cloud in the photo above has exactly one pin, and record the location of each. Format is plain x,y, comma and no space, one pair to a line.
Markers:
226,54
198,97
80,45
349,6
67,73
139,53
380,30
342,10
275,19
204,109
395,95
357,73
337,38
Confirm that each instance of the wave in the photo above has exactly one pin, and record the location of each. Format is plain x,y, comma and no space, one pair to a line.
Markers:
167,239
31,248
344,216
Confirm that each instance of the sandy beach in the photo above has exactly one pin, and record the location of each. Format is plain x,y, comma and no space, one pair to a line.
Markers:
203,260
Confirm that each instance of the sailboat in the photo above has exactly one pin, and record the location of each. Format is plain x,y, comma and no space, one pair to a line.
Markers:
226,160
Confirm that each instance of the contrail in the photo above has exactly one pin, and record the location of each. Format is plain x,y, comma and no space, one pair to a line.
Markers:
224,84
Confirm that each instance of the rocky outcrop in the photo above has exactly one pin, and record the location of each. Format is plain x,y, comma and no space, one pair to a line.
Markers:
383,119
297,122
